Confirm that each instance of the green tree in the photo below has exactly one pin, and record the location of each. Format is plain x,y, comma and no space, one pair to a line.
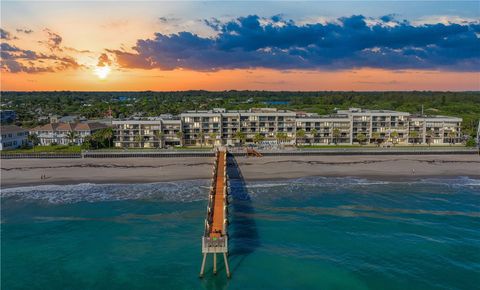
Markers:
201,136
33,138
394,136
212,137
159,136
471,142
71,137
138,140
107,135
281,137
429,136
258,138
452,135
414,135
361,138
179,135
336,135
300,135
314,134
240,136
376,138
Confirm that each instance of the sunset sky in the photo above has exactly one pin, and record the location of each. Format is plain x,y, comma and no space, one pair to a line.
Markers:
314,45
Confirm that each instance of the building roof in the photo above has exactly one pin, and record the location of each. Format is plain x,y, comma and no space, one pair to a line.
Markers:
12,129
70,127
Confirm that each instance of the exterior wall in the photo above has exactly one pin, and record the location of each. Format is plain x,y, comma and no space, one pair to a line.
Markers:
324,131
146,133
435,130
378,125
60,136
222,127
13,140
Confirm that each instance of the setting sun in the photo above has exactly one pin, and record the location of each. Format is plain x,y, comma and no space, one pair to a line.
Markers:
102,71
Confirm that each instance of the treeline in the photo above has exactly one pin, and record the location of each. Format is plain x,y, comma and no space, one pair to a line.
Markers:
30,106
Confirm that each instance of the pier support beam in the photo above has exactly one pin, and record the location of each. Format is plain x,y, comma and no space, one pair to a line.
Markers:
226,264
203,265
214,263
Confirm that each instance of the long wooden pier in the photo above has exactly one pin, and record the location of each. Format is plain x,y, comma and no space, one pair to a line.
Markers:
215,237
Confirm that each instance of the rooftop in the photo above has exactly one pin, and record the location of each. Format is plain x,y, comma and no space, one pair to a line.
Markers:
12,129
70,127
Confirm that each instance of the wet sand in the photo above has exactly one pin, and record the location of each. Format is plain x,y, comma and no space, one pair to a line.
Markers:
25,172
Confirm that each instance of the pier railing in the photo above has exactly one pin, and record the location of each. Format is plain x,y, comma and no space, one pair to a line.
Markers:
215,238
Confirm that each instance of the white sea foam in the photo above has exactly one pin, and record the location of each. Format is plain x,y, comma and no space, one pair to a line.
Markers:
194,190
182,191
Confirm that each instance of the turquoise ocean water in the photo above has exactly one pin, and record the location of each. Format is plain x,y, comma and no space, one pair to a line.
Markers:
308,233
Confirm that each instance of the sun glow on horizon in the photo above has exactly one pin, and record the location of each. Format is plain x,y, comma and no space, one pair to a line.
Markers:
102,72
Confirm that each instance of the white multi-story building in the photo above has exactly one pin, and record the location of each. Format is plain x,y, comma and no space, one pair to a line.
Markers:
375,125
58,133
219,126
12,137
435,130
147,133
269,125
333,129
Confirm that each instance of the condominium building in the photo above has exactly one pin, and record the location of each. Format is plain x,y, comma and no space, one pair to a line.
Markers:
373,125
219,126
269,125
435,130
65,133
158,132
332,129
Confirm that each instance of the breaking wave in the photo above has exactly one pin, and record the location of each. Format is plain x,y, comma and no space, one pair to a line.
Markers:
196,190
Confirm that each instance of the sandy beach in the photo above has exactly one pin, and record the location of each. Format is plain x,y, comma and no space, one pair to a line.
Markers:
23,172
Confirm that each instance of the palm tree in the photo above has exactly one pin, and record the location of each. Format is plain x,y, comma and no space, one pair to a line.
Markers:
179,135
336,135
258,138
201,136
394,136
107,134
314,134
159,135
138,139
212,137
430,134
281,137
240,136
451,135
361,138
376,138
72,137
414,136
33,138
300,134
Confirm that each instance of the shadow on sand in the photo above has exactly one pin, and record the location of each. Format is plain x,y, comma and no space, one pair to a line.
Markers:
243,232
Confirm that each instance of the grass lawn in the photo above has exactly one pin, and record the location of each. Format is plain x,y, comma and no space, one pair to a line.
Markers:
332,146
49,149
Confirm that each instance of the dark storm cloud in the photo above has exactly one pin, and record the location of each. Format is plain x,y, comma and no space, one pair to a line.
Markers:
6,35
15,60
349,42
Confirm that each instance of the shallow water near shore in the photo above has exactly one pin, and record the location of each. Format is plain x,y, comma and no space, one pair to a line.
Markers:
307,233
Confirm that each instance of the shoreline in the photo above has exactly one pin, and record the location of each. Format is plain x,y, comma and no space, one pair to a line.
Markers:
28,172
130,182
